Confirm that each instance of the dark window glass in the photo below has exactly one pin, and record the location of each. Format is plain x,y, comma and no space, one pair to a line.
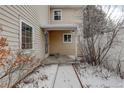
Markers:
57,15
26,36
67,38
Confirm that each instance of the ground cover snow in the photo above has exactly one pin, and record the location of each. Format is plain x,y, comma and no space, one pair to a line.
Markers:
42,77
98,77
57,76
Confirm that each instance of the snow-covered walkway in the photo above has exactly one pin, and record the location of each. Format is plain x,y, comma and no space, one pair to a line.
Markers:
66,77
51,76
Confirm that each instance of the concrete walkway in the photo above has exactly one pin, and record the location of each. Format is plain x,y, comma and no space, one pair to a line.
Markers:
66,77
53,75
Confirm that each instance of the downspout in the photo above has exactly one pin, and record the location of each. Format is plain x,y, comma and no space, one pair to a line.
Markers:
76,42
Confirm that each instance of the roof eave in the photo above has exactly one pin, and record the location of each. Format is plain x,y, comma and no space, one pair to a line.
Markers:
60,27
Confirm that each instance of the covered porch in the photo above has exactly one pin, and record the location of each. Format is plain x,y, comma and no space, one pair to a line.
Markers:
61,42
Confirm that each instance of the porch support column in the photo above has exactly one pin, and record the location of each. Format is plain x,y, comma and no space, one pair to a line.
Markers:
77,34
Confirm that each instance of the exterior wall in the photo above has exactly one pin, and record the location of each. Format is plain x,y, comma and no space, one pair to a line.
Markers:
10,23
69,16
10,17
43,13
56,44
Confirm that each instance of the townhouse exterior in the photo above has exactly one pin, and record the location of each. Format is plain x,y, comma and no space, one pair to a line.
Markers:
41,30
59,22
62,30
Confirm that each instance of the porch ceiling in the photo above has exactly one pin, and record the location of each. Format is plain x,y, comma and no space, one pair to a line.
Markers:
60,27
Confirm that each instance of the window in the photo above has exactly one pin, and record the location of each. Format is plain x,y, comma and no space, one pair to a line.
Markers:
67,38
57,14
26,36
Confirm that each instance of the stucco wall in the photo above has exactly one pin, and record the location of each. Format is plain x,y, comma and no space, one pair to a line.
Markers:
56,44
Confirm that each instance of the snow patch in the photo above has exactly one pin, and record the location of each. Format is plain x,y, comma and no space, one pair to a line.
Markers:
98,77
42,77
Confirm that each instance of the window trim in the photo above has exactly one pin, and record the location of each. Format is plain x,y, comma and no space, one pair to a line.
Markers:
21,34
57,10
67,34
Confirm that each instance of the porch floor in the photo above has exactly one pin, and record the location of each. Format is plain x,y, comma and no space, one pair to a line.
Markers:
59,60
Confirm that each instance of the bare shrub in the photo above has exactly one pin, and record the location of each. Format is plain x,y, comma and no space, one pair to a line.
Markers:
10,62
96,26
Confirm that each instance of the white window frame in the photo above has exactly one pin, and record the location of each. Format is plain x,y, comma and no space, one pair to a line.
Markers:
67,34
60,15
21,34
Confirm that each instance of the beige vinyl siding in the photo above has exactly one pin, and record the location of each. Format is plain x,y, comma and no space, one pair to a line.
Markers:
69,16
42,12
10,17
56,44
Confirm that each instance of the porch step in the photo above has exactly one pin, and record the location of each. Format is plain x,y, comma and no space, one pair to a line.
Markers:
59,60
